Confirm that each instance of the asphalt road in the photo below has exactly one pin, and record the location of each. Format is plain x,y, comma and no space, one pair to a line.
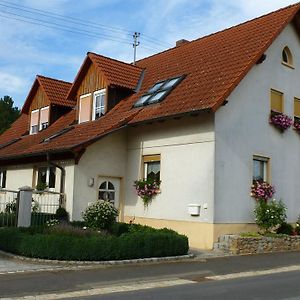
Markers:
284,286
60,281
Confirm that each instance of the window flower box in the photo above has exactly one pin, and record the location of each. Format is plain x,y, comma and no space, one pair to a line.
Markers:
261,190
280,120
147,189
297,124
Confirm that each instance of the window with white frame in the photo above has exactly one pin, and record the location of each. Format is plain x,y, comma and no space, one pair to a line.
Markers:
3,179
44,118
98,104
260,168
85,108
151,166
46,176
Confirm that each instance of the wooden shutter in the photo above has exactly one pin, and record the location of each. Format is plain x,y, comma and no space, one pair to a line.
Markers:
85,108
276,101
297,107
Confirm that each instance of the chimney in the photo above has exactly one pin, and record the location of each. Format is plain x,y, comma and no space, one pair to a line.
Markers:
181,42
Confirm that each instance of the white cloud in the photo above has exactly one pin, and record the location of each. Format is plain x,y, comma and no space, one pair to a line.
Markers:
11,83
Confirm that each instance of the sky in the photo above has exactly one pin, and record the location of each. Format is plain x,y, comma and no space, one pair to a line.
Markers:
57,34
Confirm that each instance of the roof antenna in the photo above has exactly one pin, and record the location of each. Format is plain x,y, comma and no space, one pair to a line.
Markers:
136,43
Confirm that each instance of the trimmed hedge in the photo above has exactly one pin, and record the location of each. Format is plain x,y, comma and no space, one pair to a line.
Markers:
138,243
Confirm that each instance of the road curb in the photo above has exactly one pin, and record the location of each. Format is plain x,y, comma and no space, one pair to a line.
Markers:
104,263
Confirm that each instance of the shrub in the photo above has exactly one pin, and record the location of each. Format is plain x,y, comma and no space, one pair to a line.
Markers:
42,243
62,214
100,215
285,228
119,228
41,186
270,215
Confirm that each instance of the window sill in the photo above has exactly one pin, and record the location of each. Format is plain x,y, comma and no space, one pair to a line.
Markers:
287,65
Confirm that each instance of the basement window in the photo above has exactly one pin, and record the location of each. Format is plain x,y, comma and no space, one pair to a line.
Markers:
158,91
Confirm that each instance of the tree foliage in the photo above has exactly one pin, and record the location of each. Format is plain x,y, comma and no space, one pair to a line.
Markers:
8,113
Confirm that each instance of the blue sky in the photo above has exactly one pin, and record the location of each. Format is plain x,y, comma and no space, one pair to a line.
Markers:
28,49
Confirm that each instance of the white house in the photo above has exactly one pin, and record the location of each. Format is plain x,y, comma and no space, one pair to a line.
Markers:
196,115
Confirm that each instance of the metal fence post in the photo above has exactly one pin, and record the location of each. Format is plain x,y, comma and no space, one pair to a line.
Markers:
24,207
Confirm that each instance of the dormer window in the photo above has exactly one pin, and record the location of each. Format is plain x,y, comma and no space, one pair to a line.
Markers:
287,58
98,104
92,106
34,121
158,91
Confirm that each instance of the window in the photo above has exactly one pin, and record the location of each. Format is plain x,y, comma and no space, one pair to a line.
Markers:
276,101
85,105
99,104
159,91
287,58
297,108
2,179
44,118
34,121
107,192
260,168
46,175
151,167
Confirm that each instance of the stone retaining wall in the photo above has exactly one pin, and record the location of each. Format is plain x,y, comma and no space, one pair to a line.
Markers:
235,244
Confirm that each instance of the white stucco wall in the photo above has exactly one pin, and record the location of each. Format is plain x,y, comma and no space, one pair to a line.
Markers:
186,147
243,130
104,158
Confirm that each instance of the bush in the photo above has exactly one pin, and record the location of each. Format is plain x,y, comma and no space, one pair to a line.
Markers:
62,214
100,215
285,228
42,243
269,215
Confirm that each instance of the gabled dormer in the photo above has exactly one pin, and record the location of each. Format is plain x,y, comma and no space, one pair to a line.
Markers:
100,84
46,102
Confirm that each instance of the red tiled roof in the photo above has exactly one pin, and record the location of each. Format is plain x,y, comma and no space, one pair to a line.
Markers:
214,65
116,72
55,90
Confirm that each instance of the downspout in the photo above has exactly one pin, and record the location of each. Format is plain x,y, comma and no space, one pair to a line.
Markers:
62,178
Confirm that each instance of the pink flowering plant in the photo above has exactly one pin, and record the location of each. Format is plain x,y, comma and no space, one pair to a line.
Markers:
147,189
261,190
297,124
280,120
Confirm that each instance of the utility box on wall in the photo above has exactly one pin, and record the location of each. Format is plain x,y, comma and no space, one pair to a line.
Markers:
194,209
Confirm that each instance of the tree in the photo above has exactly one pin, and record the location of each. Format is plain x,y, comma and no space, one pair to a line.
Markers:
8,113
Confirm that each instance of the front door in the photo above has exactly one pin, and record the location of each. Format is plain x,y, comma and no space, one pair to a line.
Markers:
109,190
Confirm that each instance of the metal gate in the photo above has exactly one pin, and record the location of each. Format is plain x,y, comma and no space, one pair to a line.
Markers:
8,208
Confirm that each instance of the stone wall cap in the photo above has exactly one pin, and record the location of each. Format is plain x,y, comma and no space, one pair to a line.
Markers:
26,188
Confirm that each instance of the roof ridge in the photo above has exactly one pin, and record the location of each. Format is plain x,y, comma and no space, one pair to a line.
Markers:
114,59
220,31
51,78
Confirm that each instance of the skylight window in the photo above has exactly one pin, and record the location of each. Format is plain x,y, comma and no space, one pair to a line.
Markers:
159,91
